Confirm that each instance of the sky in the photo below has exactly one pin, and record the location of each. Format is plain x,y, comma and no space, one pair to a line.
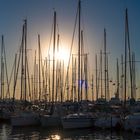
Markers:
96,15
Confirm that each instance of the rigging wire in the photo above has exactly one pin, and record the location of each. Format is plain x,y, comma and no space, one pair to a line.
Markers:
71,50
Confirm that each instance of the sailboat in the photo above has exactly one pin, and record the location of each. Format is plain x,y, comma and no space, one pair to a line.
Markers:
6,108
24,116
53,119
79,119
131,121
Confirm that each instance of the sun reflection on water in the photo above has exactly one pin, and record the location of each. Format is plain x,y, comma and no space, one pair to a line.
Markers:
54,137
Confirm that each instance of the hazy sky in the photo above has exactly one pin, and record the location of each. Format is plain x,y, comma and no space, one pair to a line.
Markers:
96,15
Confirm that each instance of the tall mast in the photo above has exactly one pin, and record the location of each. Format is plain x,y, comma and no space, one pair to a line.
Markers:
92,84
25,28
22,62
122,77
134,75
15,68
105,69
72,78
117,94
79,46
96,77
86,76
49,82
125,67
82,55
46,76
39,70
56,83
54,46
67,86
101,73
107,78
2,69
75,89
35,89
130,62
6,72
62,81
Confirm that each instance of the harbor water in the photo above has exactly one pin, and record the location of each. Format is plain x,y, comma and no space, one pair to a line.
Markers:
7,132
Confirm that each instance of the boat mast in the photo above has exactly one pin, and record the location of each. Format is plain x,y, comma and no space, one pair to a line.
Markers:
107,76
92,84
46,84
86,76
25,28
105,68
2,69
128,44
117,93
101,73
62,80
122,76
35,78
56,84
15,68
134,74
39,70
79,47
72,94
49,80
82,55
96,77
6,72
75,75
125,67
22,61
54,46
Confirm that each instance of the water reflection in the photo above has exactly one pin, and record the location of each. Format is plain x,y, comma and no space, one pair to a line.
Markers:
37,133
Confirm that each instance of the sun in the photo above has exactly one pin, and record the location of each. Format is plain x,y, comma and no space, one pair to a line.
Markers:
63,55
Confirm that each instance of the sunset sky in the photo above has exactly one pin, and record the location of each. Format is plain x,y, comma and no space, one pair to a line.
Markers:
96,15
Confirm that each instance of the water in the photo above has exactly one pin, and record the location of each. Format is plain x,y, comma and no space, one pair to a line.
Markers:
38,133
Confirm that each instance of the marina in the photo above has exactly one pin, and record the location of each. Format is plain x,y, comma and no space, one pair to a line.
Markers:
52,93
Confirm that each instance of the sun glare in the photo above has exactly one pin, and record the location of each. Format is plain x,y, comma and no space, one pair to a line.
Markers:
63,54
55,137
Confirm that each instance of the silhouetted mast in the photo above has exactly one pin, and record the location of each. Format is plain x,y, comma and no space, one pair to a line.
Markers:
101,73
117,93
79,47
92,86
105,67
25,28
125,67
122,78
96,77
128,44
86,76
39,67
54,46
82,55
2,69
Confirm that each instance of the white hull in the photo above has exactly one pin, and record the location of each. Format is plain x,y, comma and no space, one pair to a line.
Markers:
25,119
77,121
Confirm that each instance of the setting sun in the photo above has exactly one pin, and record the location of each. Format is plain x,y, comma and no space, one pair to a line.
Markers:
63,54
